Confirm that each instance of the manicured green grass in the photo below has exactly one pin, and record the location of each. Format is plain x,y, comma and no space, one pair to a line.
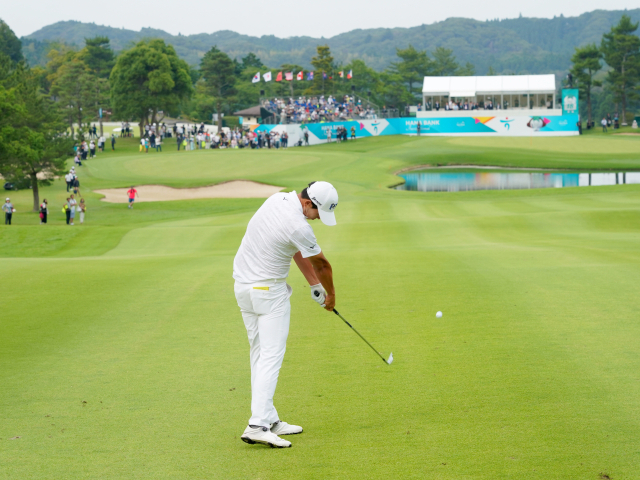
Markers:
533,371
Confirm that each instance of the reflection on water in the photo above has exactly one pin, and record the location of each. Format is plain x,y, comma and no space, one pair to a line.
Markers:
464,181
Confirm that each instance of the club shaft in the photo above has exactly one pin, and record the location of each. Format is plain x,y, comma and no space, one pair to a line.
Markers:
358,333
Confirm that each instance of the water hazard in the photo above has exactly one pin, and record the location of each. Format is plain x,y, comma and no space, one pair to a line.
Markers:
466,181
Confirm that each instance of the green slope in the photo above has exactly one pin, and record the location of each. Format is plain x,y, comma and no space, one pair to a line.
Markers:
531,373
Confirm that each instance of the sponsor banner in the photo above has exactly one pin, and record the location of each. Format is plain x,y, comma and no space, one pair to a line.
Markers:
570,103
502,125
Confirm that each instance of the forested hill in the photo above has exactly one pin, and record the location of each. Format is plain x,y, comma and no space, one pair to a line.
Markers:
521,45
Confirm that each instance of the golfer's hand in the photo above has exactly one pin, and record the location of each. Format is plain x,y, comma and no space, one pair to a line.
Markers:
329,302
318,294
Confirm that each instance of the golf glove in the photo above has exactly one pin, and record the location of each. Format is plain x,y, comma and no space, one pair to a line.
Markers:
318,294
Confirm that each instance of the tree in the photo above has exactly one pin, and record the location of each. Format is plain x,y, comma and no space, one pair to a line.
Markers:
219,77
251,60
586,63
73,87
147,79
393,92
621,51
444,62
322,64
365,79
467,70
33,140
98,56
10,45
415,65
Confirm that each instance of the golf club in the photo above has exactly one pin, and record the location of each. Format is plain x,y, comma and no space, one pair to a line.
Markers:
388,362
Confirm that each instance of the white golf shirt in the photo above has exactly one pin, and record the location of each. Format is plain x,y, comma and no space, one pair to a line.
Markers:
277,231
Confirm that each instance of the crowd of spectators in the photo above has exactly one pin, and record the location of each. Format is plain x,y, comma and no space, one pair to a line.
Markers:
318,109
197,137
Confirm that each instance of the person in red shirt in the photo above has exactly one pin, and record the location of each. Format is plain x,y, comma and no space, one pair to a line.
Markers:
133,193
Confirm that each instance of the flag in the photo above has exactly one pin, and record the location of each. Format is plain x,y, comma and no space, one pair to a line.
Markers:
256,78
310,76
288,76
350,74
324,75
267,77
341,74
279,77
300,75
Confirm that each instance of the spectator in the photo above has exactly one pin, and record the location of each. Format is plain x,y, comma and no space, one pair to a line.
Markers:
83,208
44,212
8,211
66,209
72,208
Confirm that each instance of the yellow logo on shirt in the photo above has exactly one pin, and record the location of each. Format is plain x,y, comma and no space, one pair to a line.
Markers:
261,288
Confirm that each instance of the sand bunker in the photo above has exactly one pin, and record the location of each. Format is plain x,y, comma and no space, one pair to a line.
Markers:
161,193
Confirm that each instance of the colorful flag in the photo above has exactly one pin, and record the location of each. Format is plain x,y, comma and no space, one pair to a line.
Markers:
300,75
288,76
324,75
279,77
256,78
310,76
341,74
350,74
267,77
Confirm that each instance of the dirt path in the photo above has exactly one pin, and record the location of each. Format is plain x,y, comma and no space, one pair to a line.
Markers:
161,193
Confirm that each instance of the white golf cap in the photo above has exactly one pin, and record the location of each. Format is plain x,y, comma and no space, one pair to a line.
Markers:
325,197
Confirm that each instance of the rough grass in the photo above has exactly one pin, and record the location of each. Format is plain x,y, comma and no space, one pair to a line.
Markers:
123,354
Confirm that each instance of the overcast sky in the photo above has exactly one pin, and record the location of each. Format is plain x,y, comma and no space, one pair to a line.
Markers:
282,18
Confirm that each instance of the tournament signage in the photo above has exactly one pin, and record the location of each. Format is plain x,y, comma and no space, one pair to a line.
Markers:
499,125
570,101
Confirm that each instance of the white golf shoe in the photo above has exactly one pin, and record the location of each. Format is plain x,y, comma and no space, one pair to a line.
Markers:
283,428
263,435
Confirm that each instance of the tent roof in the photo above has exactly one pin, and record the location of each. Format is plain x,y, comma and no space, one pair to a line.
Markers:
249,112
472,86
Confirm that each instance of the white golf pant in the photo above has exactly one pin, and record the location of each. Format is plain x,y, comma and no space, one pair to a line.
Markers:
266,312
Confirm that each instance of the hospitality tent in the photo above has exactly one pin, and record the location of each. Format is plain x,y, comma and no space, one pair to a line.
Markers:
491,88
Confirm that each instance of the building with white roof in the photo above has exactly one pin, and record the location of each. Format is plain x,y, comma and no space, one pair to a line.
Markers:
500,92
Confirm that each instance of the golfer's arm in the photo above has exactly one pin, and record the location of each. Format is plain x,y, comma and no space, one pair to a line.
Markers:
323,271
306,268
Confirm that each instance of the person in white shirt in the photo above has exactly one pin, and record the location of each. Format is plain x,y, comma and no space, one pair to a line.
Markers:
278,232
72,207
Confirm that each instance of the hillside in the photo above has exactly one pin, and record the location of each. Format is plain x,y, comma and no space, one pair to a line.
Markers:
521,45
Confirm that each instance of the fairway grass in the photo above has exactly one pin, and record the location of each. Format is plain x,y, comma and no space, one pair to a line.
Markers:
123,353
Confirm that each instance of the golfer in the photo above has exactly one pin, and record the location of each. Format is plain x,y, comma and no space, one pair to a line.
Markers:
278,232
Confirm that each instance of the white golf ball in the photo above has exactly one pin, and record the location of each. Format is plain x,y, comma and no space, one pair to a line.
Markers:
439,315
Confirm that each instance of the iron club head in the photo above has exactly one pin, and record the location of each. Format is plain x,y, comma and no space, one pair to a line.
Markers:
390,359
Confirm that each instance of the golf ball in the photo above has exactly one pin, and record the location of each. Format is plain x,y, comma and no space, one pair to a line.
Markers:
439,315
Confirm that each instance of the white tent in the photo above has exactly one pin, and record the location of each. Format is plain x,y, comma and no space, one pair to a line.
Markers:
472,86
492,87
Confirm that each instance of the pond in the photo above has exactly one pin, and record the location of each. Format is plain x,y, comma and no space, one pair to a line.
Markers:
461,181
